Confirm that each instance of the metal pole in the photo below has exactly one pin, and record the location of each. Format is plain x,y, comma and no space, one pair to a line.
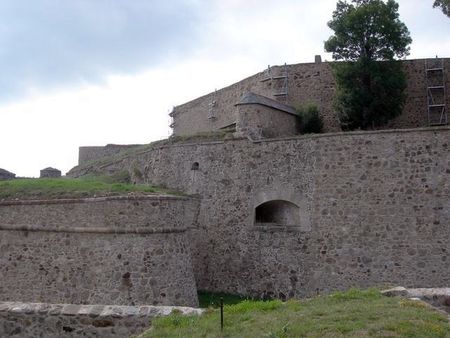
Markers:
221,313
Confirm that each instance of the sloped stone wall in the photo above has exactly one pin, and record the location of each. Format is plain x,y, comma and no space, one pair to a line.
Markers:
117,250
90,153
374,209
307,83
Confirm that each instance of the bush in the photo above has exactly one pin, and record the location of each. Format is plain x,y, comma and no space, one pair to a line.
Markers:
309,120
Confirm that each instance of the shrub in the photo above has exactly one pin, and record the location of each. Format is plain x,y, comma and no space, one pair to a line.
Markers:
309,120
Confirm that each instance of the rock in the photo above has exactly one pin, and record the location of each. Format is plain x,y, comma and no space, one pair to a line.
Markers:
398,291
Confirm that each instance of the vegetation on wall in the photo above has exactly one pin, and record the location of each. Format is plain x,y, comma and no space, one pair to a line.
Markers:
444,5
309,120
369,92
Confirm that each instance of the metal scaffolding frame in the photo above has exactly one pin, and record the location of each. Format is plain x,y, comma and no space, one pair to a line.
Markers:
280,90
212,105
436,92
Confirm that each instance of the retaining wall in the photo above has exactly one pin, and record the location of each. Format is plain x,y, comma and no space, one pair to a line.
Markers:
373,209
129,250
307,83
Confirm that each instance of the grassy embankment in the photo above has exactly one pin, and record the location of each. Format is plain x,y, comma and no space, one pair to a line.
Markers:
354,313
56,188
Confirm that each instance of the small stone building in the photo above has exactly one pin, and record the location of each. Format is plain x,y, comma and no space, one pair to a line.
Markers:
261,117
6,175
50,173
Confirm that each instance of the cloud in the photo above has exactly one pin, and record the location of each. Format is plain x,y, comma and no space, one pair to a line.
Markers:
49,43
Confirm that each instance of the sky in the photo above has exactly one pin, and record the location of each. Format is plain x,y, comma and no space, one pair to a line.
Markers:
83,72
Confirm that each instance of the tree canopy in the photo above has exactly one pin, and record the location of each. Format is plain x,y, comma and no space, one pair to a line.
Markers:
367,29
444,5
369,36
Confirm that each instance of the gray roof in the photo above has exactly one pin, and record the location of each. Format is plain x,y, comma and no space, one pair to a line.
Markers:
6,172
252,98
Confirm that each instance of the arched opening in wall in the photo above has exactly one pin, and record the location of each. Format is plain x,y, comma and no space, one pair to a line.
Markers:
195,166
277,212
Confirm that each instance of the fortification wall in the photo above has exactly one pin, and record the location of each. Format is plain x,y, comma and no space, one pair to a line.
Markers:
373,208
116,250
90,153
307,83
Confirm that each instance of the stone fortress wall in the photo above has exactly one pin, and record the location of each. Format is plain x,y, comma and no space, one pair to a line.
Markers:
307,83
91,153
277,217
130,250
296,216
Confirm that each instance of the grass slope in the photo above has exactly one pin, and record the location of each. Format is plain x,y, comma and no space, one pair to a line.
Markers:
54,188
353,313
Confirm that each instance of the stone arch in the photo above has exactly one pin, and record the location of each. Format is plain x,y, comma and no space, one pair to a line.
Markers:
277,212
282,203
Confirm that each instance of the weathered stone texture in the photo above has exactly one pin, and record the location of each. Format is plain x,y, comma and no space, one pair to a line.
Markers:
6,175
374,209
258,121
87,154
116,250
32,320
50,173
307,83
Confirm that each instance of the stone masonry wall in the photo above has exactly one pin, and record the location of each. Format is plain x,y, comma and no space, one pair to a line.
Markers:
265,122
116,250
374,209
91,153
32,320
307,83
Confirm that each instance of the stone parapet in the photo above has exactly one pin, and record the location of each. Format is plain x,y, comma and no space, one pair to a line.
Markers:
26,320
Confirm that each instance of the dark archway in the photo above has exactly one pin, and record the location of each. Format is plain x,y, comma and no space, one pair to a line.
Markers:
277,212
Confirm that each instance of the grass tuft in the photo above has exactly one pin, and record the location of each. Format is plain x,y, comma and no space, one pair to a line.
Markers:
354,313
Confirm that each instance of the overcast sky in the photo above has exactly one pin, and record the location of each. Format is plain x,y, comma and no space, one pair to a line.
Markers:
83,72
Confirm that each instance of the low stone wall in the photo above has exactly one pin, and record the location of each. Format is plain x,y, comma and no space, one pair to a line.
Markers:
117,250
31,320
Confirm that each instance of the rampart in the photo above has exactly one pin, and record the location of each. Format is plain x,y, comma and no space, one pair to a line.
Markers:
126,250
303,215
306,83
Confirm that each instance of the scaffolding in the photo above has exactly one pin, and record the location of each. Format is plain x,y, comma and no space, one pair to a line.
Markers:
212,105
172,119
279,82
436,92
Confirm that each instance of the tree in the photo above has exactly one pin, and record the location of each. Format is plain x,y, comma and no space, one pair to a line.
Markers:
368,35
444,6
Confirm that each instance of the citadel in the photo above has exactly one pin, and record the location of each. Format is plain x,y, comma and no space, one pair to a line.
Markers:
263,211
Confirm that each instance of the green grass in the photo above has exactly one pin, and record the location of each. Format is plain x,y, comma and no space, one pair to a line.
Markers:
54,188
354,313
210,299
